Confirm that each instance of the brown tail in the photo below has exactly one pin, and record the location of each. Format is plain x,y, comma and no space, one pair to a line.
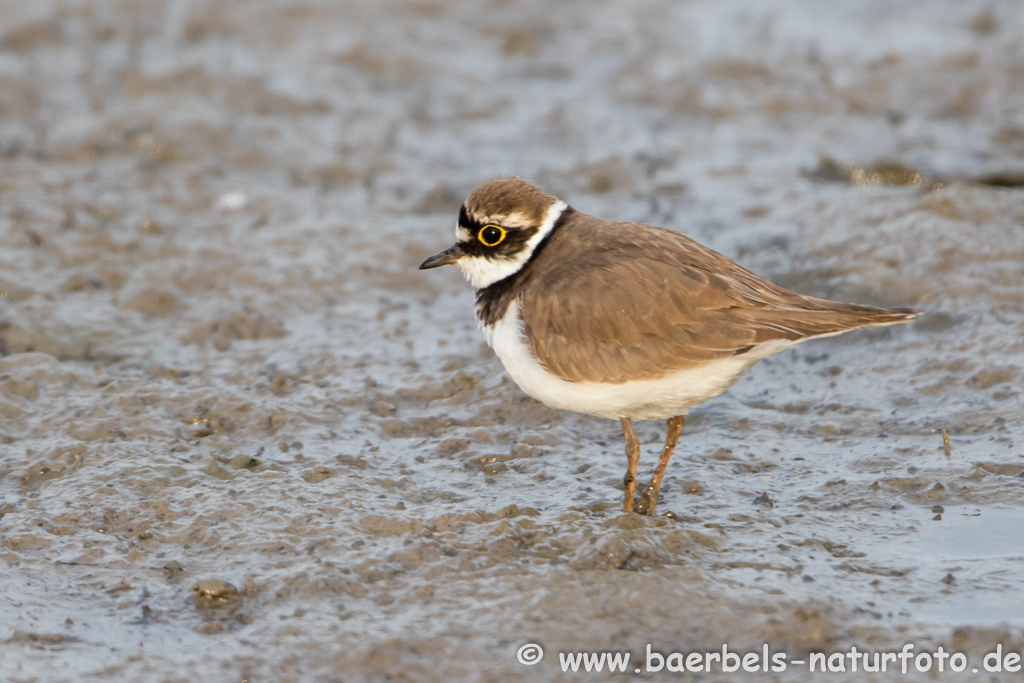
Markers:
824,318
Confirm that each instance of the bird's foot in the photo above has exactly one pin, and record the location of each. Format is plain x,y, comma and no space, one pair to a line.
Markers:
647,504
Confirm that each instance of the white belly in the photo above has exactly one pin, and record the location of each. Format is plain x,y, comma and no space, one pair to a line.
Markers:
650,399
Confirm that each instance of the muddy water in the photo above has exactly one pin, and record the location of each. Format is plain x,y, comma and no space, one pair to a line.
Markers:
241,437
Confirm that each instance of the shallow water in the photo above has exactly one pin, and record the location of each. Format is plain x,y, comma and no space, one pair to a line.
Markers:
241,437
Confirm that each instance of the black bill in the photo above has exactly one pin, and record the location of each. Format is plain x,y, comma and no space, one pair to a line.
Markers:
449,255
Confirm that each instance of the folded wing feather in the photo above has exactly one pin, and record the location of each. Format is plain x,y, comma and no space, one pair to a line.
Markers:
655,301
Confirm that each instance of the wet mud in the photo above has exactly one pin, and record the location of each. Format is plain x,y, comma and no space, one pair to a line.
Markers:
242,437
896,174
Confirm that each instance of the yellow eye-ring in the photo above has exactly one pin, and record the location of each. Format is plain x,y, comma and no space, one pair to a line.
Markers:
491,235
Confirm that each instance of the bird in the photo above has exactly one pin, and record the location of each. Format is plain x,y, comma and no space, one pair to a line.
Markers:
623,320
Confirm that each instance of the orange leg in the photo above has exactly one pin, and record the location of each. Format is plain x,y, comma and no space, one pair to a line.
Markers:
649,499
632,458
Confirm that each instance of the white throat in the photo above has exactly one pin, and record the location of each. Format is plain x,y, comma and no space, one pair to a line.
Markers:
483,272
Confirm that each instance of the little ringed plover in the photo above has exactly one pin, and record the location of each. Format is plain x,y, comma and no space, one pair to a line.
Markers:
623,320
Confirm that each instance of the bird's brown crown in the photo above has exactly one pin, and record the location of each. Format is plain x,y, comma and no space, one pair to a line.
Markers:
510,202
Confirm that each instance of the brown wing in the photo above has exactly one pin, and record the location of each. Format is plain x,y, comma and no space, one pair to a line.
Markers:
651,301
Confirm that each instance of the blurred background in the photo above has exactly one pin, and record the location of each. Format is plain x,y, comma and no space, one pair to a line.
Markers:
241,437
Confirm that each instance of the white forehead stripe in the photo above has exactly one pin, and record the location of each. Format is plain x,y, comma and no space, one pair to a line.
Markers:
516,220
483,272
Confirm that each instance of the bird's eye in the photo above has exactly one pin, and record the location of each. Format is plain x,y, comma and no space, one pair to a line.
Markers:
491,235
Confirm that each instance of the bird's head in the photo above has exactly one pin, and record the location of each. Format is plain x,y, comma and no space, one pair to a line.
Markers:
500,225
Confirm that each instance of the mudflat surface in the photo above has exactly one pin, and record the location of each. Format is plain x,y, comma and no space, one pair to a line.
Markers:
241,437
